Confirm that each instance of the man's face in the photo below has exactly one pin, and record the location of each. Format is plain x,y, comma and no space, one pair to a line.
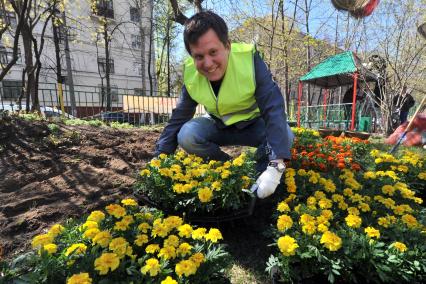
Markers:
210,55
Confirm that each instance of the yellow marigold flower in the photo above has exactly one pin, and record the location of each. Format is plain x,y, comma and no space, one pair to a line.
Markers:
213,235
91,233
185,267
102,238
353,221
301,172
81,278
383,221
309,228
342,205
129,202
369,175
372,233
325,203
119,246
409,220
331,241
171,240
306,218
116,210
152,266
106,262
322,228
238,162
141,240
399,246
283,207
227,165
168,252
216,185
319,195
185,230
284,223
169,280
225,174
78,248
353,211
155,163
246,181
162,156
160,229
41,240
145,172
364,207
327,214
184,249
96,216
173,221
89,225
50,248
121,226
205,194
56,230
152,248
287,245
348,192
198,233
422,175
197,258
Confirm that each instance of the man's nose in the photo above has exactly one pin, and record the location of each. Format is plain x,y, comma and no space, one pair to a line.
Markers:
208,62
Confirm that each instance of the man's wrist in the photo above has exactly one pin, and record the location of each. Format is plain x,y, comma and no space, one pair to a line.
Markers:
278,164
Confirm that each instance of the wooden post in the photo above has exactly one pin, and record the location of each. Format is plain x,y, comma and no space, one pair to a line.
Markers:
299,98
354,101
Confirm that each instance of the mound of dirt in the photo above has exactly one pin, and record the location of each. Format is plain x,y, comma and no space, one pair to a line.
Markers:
49,174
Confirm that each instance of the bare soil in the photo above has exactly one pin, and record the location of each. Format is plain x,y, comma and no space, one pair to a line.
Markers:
49,176
45,179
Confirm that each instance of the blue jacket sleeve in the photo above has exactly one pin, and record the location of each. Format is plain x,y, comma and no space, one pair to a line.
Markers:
184,111
272,109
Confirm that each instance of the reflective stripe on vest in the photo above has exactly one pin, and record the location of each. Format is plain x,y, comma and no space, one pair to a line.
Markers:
235,101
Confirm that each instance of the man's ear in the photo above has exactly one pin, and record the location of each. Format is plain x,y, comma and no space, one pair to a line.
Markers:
228,45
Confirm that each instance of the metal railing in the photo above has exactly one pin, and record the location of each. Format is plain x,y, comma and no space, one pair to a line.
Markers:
126,105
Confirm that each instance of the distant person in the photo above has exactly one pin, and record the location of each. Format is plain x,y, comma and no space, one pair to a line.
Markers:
348,100
403,102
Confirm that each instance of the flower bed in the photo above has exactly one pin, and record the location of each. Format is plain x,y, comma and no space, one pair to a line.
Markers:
123,244
184,183
352,225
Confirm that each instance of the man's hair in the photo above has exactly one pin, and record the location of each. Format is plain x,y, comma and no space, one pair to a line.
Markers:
200,23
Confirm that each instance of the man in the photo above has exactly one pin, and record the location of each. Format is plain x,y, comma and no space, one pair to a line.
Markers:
244,104
403,102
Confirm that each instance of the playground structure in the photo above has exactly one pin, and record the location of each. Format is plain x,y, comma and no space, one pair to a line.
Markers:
341,70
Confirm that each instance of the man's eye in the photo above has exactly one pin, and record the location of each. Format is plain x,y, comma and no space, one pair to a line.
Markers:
198,57
213,52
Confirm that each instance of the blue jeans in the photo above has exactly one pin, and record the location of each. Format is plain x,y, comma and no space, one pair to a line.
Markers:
201,136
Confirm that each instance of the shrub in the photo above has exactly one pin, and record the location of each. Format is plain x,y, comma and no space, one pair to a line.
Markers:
123,244
184,182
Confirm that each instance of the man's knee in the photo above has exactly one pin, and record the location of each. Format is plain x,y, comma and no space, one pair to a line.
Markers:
187,137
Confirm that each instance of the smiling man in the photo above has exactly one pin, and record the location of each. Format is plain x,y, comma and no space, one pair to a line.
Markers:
244,105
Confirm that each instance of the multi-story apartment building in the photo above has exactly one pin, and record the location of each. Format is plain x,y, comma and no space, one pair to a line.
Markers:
129,26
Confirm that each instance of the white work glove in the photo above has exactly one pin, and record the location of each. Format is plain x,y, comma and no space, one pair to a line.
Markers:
267,182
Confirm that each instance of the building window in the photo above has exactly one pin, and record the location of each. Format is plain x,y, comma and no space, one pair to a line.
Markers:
11,89
6,55
136,41
114,93
135,15
105,8
137,66
8,18
102,65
